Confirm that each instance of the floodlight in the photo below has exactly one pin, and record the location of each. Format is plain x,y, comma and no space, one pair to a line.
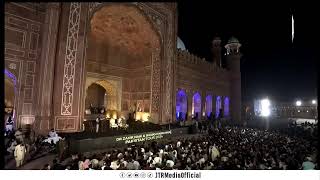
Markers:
265,107
298,103
314,101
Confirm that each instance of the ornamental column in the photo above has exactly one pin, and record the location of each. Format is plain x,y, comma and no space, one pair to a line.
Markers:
69,81
44,112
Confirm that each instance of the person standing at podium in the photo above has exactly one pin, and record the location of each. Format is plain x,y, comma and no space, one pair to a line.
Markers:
97,124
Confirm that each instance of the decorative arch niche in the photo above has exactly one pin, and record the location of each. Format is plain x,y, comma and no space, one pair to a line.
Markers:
109,95
226,106
196,105
208,105
112,86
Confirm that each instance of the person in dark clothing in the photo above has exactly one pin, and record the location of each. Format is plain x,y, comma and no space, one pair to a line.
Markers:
200,127
56,165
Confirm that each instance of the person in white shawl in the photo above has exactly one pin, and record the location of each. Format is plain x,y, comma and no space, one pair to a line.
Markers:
19,154
214,153
52,133
53,137
114,165
169,163
157,160
161,152
178,144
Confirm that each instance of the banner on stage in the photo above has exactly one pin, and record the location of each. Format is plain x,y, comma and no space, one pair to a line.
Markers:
142,137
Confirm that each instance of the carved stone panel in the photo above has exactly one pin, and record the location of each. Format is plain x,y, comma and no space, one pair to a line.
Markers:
70,59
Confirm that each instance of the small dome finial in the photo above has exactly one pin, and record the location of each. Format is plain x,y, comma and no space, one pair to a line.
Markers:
180,44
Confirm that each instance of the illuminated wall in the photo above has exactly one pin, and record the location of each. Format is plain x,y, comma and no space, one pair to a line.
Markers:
226,106
196,104
208,105
181,104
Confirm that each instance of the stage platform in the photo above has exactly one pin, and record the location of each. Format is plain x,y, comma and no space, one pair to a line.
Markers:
85,142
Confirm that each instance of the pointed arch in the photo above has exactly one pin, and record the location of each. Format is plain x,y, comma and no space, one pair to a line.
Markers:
181,105
196,105
226,106
208,105
218,105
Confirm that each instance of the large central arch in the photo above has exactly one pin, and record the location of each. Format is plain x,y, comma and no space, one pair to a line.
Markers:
73,55
124,41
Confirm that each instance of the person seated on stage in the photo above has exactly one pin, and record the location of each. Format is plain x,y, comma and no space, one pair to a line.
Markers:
53,137
52,133
130,120
102,110
97,124
120,122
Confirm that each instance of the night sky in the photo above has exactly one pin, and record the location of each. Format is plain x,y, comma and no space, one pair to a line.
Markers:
271,65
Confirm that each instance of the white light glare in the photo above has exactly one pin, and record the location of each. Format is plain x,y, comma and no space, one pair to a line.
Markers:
265,107
298,103
314,101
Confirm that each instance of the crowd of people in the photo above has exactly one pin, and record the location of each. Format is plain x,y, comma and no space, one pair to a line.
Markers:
22,145
218,145
231,148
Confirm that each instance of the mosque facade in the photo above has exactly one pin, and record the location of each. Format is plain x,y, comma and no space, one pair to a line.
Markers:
63,58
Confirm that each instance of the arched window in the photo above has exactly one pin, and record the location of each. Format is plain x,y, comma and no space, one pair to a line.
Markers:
218,105
196,105
181,105
208,105
226,106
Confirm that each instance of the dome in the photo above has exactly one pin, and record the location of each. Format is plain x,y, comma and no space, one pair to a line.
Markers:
180,44
233,40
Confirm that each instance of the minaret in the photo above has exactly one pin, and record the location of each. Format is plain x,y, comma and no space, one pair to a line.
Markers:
216,51
233,56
